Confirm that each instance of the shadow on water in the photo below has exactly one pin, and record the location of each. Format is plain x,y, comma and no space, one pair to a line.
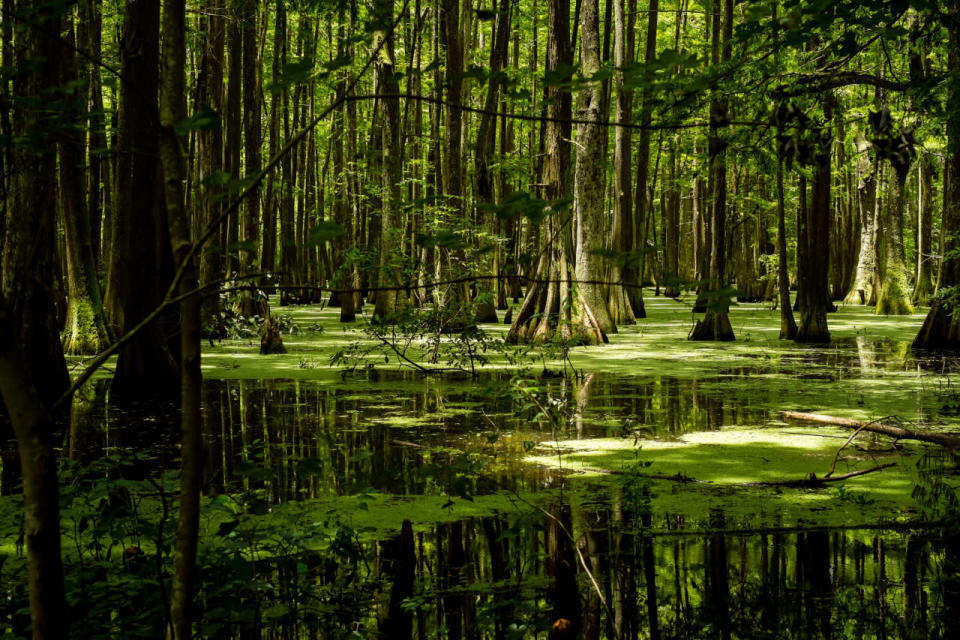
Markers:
590,558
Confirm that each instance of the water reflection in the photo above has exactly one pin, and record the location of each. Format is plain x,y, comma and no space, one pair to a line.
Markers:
809,584
601,563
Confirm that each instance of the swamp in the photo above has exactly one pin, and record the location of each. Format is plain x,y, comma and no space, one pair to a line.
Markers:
479,319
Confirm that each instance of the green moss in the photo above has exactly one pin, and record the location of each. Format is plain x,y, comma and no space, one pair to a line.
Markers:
729,459
81,336
894,296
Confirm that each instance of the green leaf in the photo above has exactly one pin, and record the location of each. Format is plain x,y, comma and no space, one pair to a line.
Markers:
206,120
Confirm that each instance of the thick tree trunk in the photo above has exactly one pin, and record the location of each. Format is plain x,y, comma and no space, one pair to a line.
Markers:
894,295
30,352
541,312
815,299
141,256
861,291
593,321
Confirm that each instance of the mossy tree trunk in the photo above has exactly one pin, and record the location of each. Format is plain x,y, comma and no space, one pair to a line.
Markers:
86,326
941,328
592,321
894,295
715,325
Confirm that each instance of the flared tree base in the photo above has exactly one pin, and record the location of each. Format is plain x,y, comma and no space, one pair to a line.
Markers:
788,327
940,330
715,326
813,327
893,300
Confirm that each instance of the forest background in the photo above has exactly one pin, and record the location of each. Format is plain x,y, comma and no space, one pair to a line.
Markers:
167,166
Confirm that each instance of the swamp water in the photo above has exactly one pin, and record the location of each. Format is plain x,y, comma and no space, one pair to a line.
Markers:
531,499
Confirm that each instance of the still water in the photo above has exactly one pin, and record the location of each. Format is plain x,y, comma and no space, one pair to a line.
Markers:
546,546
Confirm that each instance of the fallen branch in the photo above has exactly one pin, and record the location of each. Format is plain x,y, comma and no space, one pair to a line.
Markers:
813,481
942,439
404,443
810,481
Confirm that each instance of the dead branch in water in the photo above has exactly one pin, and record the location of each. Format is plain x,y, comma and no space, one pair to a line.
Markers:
811,481
942,439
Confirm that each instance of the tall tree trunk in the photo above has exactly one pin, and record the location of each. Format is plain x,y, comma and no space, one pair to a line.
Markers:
593,321
715,324
634,272
788,326
173,158
86,326
923,287
341,199
457,295
541,312
289,256
268,255
623,227
211,163
250,305
89,29
815,301
894,295
234,124
861,292
33,373
390,300
140,257
485,310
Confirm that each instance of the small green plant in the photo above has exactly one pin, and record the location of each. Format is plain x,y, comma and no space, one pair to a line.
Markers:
430,340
